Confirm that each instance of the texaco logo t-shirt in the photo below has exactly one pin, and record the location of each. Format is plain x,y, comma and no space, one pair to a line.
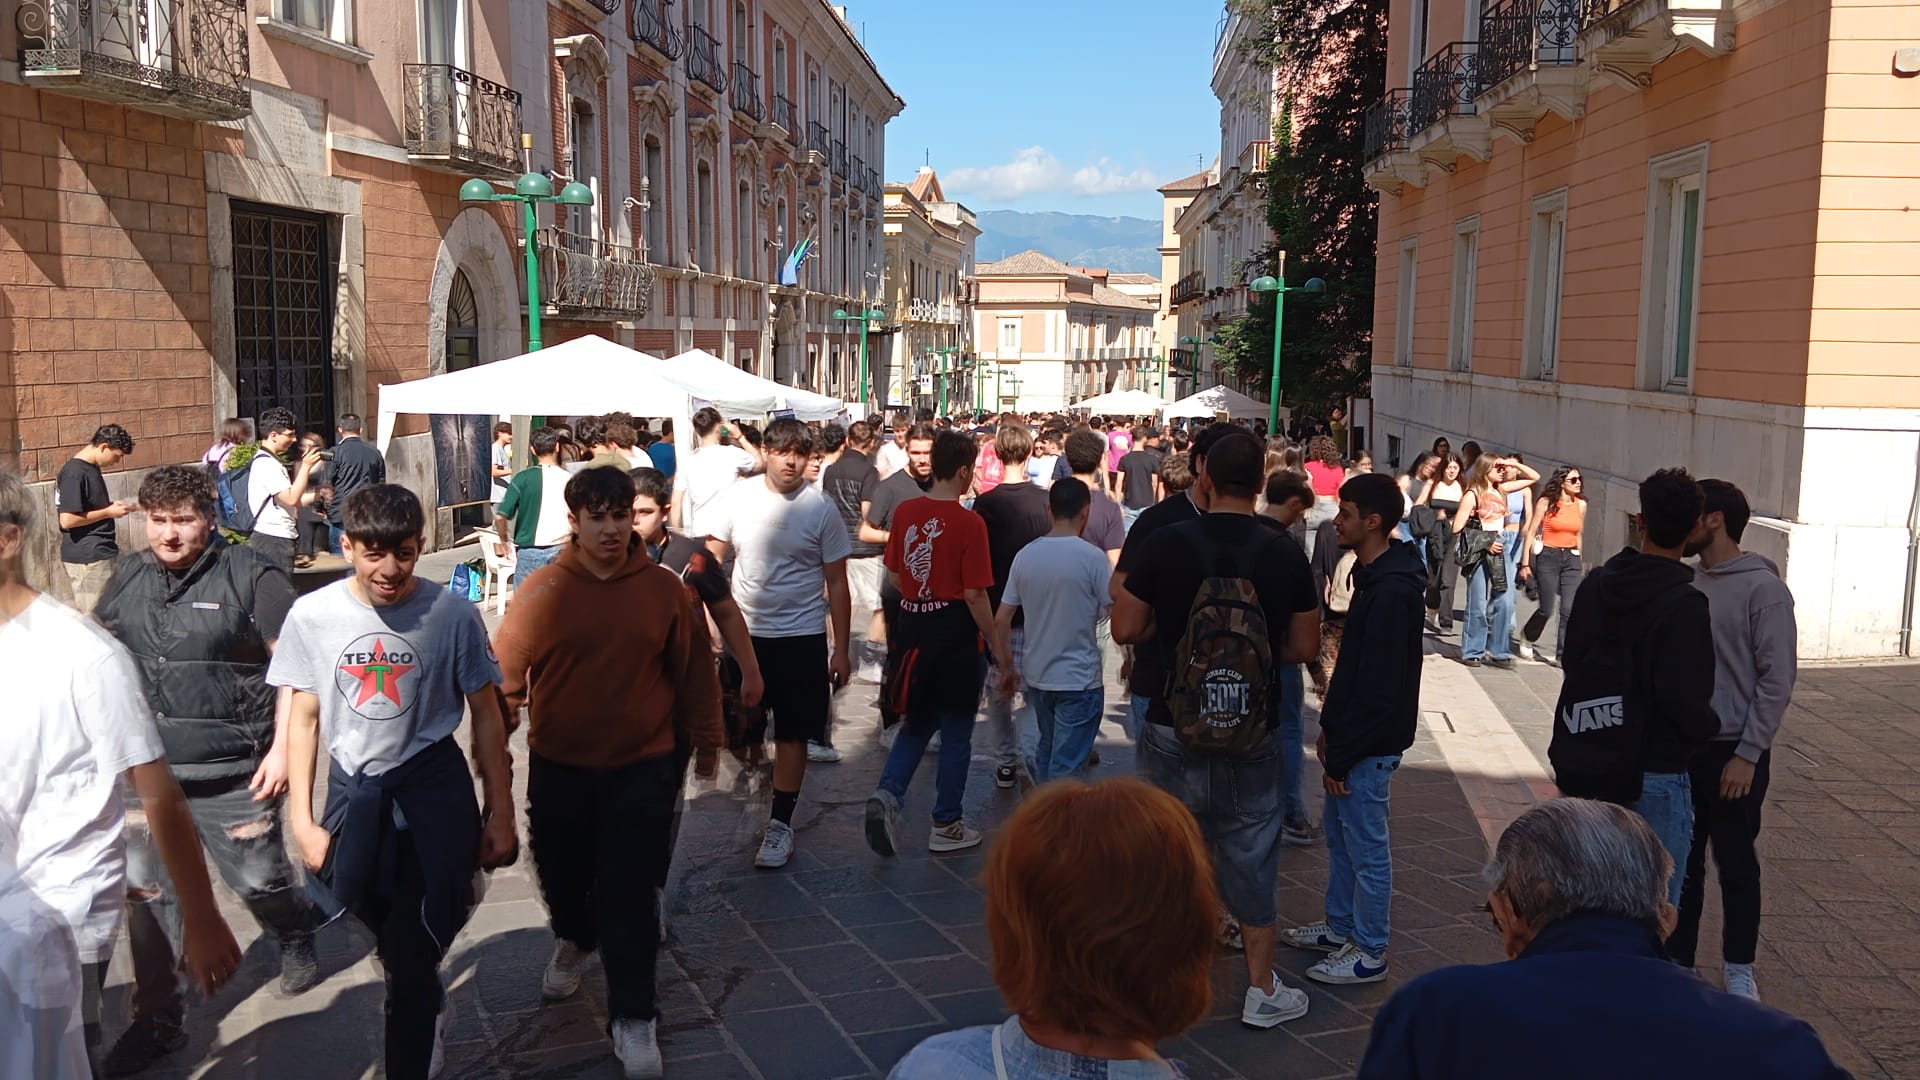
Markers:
391,681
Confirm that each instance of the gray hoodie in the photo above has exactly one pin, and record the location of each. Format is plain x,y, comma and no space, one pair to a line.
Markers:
1755,645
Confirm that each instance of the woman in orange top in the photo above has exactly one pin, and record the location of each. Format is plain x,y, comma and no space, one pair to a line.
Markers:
1552,555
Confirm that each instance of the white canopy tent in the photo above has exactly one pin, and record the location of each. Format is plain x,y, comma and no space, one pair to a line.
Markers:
1123,403
738,392
1215,400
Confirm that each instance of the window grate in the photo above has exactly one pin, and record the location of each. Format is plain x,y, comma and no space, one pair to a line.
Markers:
283,314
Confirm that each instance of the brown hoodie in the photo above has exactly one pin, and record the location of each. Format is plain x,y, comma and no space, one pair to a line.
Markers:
609,670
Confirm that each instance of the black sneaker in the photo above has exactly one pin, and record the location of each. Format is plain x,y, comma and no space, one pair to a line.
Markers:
1505,664
1093,757
141,1045
1003,776
299,967
1471,661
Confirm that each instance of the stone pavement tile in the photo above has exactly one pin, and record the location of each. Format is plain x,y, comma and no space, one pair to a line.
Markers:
801,1041
768,897
1821,958
905,941
800,933
837,881
1888,1034
868,909
1198,1063
711,1067
733,993
692,1038
1864,992
1274,1053
946,975
914,873
953,907
876,1010
1345,1048
837,969
970,1007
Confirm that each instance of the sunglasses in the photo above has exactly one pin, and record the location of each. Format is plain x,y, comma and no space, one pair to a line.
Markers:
1573,480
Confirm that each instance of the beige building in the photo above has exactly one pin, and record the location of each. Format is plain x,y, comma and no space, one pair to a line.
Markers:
1051,334
1182,275
1628,234
929,299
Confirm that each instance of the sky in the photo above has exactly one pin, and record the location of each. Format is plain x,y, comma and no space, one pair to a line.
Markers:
1072,105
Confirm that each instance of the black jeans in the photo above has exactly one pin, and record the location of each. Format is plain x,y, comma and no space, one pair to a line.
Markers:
1731,826
1443,570
410,959
277,550
599,839
1557,571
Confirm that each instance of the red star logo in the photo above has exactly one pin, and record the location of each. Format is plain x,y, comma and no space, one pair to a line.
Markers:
379,677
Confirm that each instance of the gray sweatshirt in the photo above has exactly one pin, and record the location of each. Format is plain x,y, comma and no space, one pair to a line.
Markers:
1755,645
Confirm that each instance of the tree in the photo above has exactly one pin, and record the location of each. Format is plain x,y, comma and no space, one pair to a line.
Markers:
1331,56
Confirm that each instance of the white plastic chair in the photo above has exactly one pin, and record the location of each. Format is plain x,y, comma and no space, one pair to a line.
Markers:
498,555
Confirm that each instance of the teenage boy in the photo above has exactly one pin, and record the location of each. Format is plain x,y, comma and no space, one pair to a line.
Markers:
200,617
77,733
535,508
939,561
1015,513
1636,704
500,459
1755,642
1155,609
1060,585
383,669
1137,475
714,467
275,492
86,513
849,481
601,795
1366,723
356,464
789,551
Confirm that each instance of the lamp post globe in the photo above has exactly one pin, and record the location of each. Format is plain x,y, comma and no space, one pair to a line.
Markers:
575,194
533,186
476,190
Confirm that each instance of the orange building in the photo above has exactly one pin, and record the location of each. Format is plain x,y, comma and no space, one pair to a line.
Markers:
1628,234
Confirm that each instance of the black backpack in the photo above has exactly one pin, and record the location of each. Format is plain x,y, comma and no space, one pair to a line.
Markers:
1598,742
1220,679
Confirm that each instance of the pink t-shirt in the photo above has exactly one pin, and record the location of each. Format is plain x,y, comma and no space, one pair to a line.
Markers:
1119,441
1326,478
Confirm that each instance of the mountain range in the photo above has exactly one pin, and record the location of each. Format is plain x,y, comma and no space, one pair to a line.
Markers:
1126,245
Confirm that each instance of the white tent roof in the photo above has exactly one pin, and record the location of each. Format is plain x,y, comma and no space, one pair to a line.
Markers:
1217,399
1123,403
738,392
585,376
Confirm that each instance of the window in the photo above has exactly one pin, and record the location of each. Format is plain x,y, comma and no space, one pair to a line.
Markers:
1546,257
583,147
654,193
284,270
1466,271
703,216
780,66
742,36
783,228
744,262
1403,306
1010,337
1670,278
334,18
443,32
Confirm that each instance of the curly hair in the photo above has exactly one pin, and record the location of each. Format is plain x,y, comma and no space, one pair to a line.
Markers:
1321,449
171,487
1555,487
275,420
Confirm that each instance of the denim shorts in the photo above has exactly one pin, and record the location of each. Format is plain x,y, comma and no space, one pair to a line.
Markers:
1238,802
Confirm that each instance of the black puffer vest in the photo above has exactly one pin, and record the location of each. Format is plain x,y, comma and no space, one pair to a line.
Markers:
202,660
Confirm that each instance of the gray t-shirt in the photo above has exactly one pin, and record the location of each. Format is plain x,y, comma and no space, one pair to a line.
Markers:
391,681
1061,586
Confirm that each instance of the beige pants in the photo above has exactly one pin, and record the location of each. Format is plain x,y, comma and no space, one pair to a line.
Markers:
89,581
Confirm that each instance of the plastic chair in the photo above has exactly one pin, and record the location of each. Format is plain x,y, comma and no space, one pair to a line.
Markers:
498,555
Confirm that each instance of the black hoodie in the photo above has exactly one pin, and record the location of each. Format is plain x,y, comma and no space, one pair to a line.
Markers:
1373,700
1648,603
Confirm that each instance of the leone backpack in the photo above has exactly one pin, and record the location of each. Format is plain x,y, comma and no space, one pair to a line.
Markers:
1220,685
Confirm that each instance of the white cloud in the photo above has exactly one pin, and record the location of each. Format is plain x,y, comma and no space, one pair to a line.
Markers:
1036,171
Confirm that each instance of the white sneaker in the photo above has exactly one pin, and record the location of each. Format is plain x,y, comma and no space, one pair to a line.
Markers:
954,837
1351,964
883,823
1740,982
822,752
1526,652
777,847
639,1053
887,735
870,673
562,979
933,744
1317,936
1271,1008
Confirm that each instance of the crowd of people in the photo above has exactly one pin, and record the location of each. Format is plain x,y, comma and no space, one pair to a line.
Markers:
1016,566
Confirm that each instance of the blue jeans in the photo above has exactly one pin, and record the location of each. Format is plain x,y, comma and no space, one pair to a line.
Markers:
1068,721
335,536
1359,860
1666,801
950,772
1237,803
1489,629
1129,515
1293,702
528,559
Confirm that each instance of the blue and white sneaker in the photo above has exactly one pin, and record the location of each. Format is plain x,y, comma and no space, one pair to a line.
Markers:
1351,964
1317,936
1273,1007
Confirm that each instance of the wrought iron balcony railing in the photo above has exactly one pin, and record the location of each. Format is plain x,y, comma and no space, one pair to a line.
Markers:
1444,85
458,121
840,159
783,113
1189,287
651,28
185,58
1515,35
587,276
703,59
874,186
817,137
746,92
857,173
1386,125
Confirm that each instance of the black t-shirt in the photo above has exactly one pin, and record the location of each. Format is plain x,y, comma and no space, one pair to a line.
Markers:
847,483
888,494
1173,565
82,489
1137,470
1016,515
1149,678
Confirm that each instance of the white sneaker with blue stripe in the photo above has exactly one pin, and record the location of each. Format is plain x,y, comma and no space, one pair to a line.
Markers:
1315,936
1351,964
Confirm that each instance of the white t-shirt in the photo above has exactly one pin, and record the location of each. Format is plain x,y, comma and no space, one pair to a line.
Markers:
781,547
1060,583
267,477
551,526
75,720
889,459
501,458
710,471
1040,470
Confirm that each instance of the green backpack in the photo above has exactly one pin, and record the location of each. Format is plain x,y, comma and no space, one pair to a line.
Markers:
1220,685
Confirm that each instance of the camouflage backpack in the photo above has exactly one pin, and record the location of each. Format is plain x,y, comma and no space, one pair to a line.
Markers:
1220,685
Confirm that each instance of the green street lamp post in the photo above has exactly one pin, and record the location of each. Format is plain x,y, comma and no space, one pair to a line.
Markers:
1280,288
1195,343
531,189
865,317
940,375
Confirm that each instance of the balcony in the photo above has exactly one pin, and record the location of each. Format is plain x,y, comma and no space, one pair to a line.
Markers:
703,60
1442,124
783,116
840,159
933,311
1188,288
1252,165
1527,65
1388,163
746,93
458,122
874,187
582,276
819,146
1623,39
857,174
593,9
185,58
651,28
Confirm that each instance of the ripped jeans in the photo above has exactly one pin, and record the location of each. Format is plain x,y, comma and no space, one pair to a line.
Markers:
245,844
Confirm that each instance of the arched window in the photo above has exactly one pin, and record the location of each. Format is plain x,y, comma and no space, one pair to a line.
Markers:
704,217
655,224
583,143
744,263
463,324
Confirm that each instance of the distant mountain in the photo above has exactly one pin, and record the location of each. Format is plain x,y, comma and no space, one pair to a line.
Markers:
1126,245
